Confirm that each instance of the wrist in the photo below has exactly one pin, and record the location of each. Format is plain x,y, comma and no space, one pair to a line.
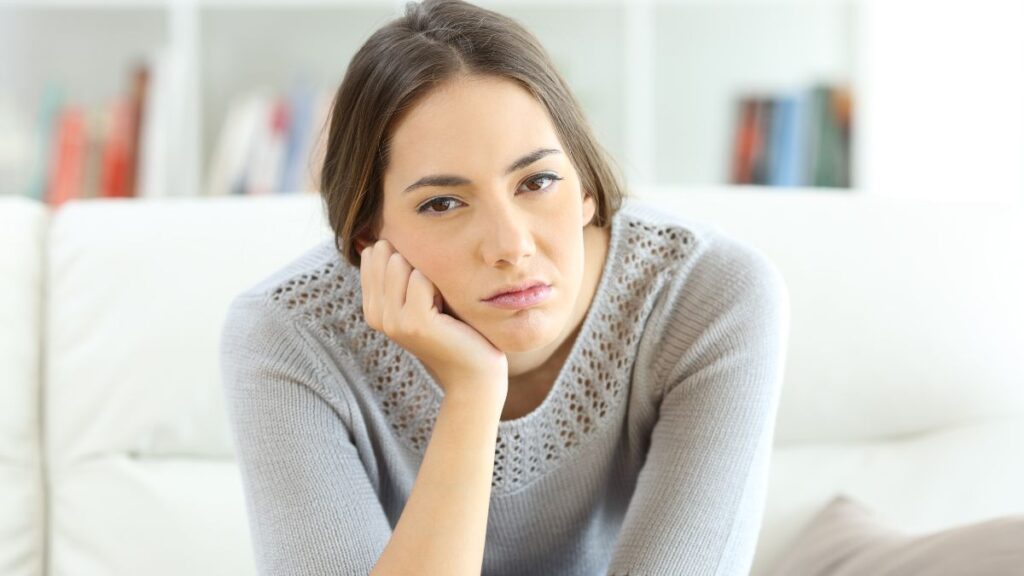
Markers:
477,392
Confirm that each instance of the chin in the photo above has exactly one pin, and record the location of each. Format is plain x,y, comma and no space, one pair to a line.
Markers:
526,330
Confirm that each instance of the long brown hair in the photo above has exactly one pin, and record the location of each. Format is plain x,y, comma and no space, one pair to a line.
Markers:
435,41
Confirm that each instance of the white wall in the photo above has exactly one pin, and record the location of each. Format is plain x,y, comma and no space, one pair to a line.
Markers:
942,84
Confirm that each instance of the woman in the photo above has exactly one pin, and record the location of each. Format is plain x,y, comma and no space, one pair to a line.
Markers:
500,363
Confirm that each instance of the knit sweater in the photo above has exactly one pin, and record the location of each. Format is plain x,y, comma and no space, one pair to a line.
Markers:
649,455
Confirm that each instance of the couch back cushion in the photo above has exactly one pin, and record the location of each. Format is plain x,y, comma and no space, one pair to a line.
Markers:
141,468
907,315
22,513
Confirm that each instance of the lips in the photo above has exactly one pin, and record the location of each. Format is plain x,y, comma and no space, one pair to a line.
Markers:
519,287
522,299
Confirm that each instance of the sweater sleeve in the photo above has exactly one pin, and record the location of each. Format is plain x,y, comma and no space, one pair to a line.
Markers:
699,499
311,507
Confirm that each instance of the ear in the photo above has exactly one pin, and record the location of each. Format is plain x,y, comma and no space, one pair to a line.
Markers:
589,208
362,241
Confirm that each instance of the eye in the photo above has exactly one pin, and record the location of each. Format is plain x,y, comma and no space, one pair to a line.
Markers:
449,201
440,200
545,176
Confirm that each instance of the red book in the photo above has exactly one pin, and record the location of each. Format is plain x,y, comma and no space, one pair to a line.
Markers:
746,146
115,152
69,152
140,82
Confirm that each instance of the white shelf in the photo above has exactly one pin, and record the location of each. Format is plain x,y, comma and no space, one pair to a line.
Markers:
656,77
759,47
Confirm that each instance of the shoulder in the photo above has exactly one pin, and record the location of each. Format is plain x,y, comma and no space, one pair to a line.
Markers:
719,291
314,284
275,328
315,265
707,259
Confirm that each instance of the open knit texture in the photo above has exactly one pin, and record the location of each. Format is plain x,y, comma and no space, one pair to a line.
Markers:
648,456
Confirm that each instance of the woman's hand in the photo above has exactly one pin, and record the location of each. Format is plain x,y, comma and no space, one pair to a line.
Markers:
406,306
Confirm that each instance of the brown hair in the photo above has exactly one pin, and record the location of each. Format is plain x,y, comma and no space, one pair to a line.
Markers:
432,42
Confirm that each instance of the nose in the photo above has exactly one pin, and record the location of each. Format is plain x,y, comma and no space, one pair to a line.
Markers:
507,236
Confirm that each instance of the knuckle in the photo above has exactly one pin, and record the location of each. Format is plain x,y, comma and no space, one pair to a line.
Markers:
388,324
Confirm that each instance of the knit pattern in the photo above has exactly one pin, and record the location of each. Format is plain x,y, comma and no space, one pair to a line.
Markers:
593,381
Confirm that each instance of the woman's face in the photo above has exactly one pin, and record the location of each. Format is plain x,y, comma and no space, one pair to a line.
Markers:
488,226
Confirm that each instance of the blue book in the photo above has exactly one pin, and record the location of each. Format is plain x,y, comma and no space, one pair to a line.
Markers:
49,113
296,152
787,140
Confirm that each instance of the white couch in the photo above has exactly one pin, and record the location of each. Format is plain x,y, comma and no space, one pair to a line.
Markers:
904,384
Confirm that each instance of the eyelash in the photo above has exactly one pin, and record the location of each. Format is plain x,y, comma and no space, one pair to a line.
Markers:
422,209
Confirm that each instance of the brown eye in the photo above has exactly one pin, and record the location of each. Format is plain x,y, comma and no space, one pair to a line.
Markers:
434,202
532,183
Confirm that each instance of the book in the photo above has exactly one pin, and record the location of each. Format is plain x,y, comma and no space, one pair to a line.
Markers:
158,146
97,122
318,142
842,105
227,168
787,140
135,101
65,178
761,159
259,175
301,103
115,163
797,137
745,144
52,101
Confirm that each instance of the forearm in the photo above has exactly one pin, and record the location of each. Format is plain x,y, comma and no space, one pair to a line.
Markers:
444,523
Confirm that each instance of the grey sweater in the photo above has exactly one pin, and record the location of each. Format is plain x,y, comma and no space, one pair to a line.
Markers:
649,456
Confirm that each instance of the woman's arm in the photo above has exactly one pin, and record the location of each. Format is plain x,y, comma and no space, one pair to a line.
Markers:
443,525
444,522
699,498
311,507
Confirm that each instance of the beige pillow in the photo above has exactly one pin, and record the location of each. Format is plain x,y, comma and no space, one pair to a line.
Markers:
847,539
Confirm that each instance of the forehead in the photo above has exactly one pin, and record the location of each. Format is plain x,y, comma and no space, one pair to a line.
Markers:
476,125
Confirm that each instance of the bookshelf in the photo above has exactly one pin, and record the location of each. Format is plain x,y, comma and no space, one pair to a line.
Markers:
658,79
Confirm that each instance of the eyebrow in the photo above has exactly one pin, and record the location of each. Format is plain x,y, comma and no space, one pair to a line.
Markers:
455,180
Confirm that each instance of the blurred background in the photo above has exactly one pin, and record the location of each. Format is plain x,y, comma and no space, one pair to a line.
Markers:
143,98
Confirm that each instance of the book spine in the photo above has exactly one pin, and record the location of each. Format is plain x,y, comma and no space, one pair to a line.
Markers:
66,179
762,159
136,102
744,142
47,130
115,152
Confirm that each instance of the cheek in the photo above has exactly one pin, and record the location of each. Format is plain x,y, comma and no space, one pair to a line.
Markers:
437,263
423,252
564,231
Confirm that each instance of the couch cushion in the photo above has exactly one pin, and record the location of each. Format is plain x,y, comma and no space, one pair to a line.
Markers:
22,514
848,538
142,471
925,482
907,315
